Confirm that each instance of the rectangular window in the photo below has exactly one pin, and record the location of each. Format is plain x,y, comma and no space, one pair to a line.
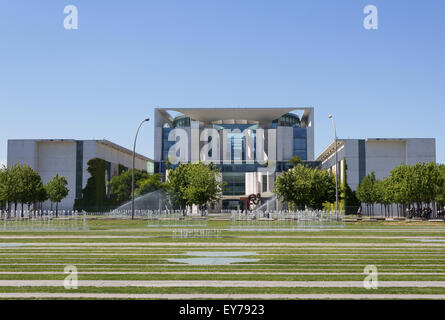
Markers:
165,143
235,183
79,168
264,182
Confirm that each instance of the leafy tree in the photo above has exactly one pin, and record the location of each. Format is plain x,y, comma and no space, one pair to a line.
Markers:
417,184
29,183
303,186
56,190
4,184
399,186
121,169
9,186
322,188
426,180
348,198
19,184
441,188
382,194
176,184
295,160
204,184
120,186
194,184
167,163
150,184
406,185
41,195
366,191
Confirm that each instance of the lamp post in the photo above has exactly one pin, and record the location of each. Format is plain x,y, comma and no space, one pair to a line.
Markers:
132,172
336,165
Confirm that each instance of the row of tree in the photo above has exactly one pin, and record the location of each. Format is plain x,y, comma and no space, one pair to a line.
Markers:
187,184
21,184
199,184
300,187
306,187
409,186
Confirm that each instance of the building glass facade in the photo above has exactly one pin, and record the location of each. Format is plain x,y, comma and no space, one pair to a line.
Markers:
181,122
235,183
287,120
165,143
300,143
234,174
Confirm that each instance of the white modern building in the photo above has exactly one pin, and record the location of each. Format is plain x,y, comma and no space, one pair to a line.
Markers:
242,140
377,155
235,135
69,158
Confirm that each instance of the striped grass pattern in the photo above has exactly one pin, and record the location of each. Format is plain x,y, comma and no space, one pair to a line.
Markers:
128,260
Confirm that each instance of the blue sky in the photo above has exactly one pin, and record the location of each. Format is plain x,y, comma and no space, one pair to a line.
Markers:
128,57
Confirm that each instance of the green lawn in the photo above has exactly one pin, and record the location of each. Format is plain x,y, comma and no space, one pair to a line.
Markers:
126,247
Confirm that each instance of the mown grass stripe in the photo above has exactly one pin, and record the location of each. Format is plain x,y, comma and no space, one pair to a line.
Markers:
229,290
215,283
220,277
235,273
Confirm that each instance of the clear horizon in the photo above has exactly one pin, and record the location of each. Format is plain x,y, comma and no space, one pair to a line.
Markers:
101,80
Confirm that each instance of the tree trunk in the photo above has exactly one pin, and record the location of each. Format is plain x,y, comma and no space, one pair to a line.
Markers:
57,208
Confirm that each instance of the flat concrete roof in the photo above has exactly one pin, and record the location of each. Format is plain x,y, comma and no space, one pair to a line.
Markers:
239,113
103,141
330,149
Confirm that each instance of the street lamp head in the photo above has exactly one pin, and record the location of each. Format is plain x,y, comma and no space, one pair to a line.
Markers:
330,116
148,119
